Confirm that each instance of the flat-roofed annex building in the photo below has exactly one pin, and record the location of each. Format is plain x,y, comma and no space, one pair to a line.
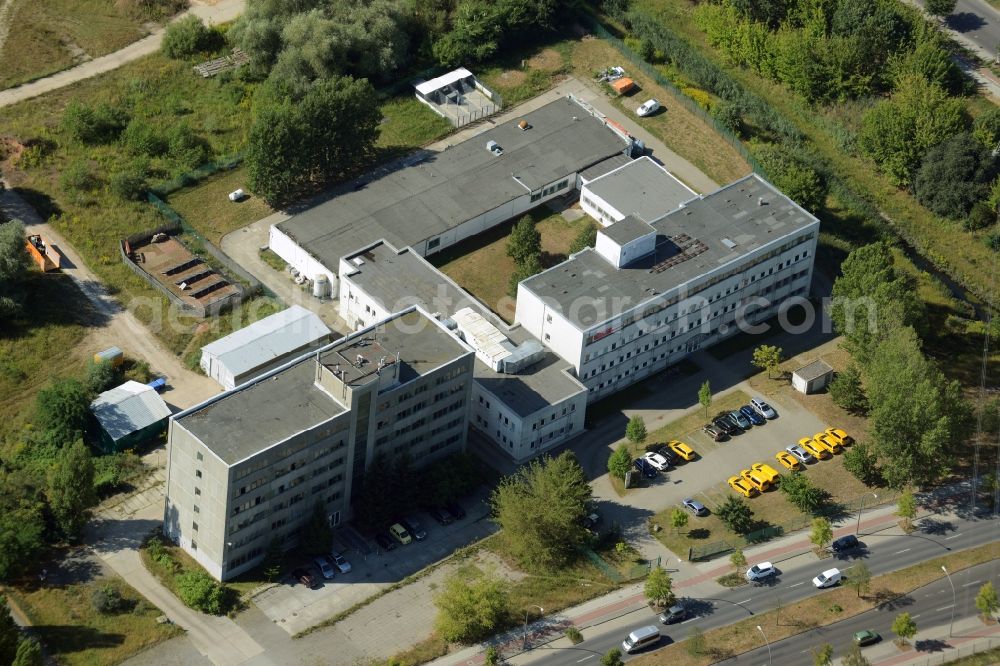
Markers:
650,294
249,465
639,188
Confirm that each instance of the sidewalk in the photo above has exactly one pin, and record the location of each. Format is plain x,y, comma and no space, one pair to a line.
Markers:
970,637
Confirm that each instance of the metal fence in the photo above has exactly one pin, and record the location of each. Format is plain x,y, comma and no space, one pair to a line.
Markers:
195,176
948,656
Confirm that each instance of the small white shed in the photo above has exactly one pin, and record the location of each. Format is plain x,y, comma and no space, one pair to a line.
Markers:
813,377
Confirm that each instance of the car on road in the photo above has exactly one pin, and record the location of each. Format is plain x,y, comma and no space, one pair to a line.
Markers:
828,578
739,419
801,454
657,461
695,507
455,509
304,577
844,544
412,526
814,448
828,443
324,567
339,561
761,572
763,408
726,425
752,415
840,436
866,637
441,515
648,108
787,460
742,487
755,479
715,432
385,541
675,613
400,534
643,467
682,450
767,472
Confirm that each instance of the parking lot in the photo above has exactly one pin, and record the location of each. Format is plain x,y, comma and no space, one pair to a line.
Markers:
294,607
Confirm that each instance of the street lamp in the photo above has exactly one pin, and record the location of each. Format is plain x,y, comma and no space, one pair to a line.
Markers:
767,643
954,601
861,508
526,611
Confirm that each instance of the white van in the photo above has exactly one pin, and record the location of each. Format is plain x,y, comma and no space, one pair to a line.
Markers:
641,638
828,578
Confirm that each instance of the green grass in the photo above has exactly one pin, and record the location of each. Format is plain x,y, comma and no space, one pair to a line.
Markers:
408,123
208,209
989,657
47,36
75,634
272,260
426,650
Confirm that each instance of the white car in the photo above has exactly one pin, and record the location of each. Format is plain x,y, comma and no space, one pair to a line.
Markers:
657,461
763,408
648,108
343,566
761,571
324,567
828,578
800,454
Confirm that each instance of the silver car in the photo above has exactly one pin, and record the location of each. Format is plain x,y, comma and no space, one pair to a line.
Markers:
324,567
343,566
763,408
800,454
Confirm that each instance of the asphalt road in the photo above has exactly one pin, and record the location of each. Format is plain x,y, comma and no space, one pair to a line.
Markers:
881,553
929,606
975,20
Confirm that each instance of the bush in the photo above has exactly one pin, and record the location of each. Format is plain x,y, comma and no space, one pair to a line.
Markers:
574,635
188,36
100,377
139,138
980,217
129,184
847,392
93,124
729,116
185,146
993,241
954,175
108,600
200,591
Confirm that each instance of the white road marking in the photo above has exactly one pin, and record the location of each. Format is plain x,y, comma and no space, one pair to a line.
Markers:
586,658
937,610
953,536
900,552
691,620
915,616
797,584
745,601
975,582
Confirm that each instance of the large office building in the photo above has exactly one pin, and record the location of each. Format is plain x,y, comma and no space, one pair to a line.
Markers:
249,465
650,293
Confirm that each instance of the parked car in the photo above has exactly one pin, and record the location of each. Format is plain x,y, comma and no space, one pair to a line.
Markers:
767,472
324,567
400,534
727,426
801,454
695,507
828,578
682,450
829,443
412,526
385,541
675,613
715,432
761,572
742,487
763,408
648,108
866,637
815,449
752,415
845,543
840,436
592,520
755,479
339,561
441,515
657,461
740,420
455,509
788,461
303,576
643,467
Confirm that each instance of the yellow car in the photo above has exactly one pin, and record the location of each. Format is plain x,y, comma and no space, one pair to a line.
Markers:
817,450
682,450
788,461
827,442
742,487
840,436
767,472
755,479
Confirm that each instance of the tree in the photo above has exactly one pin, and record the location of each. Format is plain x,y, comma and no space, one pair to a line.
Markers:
10,633
13,268
540,510
100,377
612,657
847,392
635,431
70,488
729,116
940,8
532,266
659,587
586,237
620,462
29,653
705,396
860,579
823,655
736,514
317,536
470,609
767,357
200,591
904,627
800,182
62,409
477,27
697,644
801,492
986,127
862,462
93,124
854,657
678,518
906,508
955,175
821,532
22,523
274,558
986,600
738,560
524,242
186,37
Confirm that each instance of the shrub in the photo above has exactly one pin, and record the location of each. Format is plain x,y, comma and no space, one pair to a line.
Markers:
993,241
77,177
185,146
186,37
93,124
574,635
139,138
980,217
729,116
129,184
847,392
108,600
200,591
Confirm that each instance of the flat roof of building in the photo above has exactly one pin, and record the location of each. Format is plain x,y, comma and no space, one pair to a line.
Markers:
710,231
248,419
430,193
814,370
604,167
426,87
641,188
627,230
537,387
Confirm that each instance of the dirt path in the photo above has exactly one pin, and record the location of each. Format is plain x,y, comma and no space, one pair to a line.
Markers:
221,11
118,326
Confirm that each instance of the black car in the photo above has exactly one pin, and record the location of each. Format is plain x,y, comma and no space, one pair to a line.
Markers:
412,526
643,467
441,515
455,509
667,453
725,425
385,541
304,577
844,543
